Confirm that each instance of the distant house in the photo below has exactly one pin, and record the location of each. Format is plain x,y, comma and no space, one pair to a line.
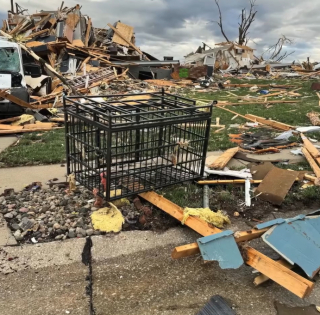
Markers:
224,56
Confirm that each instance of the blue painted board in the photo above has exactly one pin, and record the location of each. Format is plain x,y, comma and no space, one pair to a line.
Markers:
269,223
221,247
298,241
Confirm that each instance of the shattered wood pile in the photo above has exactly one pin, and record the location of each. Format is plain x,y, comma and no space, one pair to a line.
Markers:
71,50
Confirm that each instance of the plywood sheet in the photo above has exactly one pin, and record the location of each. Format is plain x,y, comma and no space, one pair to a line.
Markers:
126,31
259,172
276,185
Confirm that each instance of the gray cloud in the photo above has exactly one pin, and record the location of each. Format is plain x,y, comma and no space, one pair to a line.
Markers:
167,27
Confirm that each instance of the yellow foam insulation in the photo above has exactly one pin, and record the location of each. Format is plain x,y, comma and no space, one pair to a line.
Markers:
107,219
23,119
217,219
121,202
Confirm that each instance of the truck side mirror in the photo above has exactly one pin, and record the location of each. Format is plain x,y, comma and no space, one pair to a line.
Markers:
33,70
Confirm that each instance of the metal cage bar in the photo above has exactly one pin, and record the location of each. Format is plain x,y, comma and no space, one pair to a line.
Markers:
124,146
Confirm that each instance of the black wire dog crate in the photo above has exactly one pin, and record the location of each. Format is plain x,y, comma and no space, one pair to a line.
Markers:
121,145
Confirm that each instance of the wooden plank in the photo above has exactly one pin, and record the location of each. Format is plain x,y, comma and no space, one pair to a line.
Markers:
160,82
12,119
310,147
267,102
85,62
259,85
312,163
52,59
263,278
42,21
273,123
132,45
14,99
35,44
68,33
245,236
193,248
235,113
86,41
73,19
224,159
185,251
38,124
278,273
175,211
8,127
37,33
8,132
78,43
126,34
318,97
309,177
227,181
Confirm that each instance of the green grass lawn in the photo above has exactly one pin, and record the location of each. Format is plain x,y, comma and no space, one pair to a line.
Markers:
48,147
36,148
292,114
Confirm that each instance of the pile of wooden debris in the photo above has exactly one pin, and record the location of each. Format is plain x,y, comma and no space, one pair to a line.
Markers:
75,55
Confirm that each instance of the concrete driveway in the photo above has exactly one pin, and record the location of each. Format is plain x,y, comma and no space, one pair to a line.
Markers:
133,274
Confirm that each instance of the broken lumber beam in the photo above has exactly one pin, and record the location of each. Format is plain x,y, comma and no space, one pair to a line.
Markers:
260,85
193,248
318,97
224,159
235,113
312,163
263,278
246,236
14,99
267,102
32,35
129,43
227,181
22,130
273,123
12,119
310,147
175,211
279,273
185,251
9,127
89,25
242,181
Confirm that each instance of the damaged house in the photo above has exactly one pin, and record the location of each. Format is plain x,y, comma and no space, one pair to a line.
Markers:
227,55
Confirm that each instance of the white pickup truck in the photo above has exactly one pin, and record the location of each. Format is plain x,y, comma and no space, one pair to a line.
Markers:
12,77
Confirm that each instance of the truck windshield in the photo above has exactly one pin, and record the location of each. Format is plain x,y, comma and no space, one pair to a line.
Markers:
9,59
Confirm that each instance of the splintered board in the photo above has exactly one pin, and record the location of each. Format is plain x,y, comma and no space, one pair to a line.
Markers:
126,31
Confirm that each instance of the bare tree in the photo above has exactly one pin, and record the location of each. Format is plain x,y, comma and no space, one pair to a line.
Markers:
246,20
276,51
220,21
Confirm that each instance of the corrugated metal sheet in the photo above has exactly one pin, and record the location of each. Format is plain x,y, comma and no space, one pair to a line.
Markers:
217,306
221,247
298,241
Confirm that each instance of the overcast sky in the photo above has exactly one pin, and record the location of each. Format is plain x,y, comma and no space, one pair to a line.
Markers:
177,27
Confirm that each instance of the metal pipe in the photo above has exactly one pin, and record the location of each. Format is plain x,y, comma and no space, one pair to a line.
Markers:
205,196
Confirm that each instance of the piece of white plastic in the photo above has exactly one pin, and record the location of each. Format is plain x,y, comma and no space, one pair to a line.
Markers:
308,129
247,192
